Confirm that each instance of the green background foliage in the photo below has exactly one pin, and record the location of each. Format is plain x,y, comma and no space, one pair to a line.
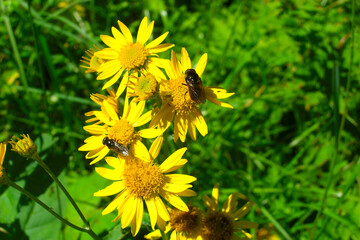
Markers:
292,136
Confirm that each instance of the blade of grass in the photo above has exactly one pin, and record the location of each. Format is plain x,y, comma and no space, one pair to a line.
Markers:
276,224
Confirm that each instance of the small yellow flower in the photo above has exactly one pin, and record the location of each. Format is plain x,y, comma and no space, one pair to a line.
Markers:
99,99
144,87
224,224
176,99
184,225
24,147
137,181
120,129
92,63
2,156
124,57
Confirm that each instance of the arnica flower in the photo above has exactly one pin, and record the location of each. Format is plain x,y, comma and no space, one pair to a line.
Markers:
92,63
223,225
176,99
124,57
2,156
184,225
25,147
99,99
120,129
137,181
144,87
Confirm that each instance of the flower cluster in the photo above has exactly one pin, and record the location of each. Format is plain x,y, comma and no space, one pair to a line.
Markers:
175,91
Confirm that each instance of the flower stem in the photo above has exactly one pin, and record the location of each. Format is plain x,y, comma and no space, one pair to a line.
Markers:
163,235
53,176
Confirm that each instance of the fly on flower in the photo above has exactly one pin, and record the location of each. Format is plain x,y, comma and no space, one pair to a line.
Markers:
196,89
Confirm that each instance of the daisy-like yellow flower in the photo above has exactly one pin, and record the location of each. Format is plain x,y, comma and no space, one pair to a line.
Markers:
137,181
92,63
119,129
177,101
144,87
99,99
184,225
124,57
2,156
25,147
223,225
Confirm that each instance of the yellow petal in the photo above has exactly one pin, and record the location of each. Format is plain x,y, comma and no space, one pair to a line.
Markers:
110,174
107,53
153,235
135,111
210,203
200,67
161,48
122,85
157,41
161,209
179,178
110,110
185,60
217,92
200,122
174,200
176,188
155,70
215,194
114,162
142,30
151,206
114,188
2,152
108,69
156,146
172,160
140,151
191,127
94,143
95,129
187,193
145,118
178,165
118,36
111,42
104,118
163,118
113,79
129,211
137,220
180,127
100,156
217,102
243,210
126,32
150,132
175,66
118,201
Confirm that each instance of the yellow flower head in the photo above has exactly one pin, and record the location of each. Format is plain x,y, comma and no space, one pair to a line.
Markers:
92,63
24,147
124,57
184,225
177,100
2,156
144,87
223,224
99,99
137,181
120,129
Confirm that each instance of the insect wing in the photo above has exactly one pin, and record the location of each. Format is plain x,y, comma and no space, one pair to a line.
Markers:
197,92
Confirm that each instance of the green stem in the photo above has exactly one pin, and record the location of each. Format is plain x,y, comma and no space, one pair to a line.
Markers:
14,45
53,176
163,235
46,207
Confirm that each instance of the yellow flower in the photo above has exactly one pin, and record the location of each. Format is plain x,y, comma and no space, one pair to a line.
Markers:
224,224
24,147
2,156
120,129
144,87
99,99
137,181
92,63
177,101
124,57
184,225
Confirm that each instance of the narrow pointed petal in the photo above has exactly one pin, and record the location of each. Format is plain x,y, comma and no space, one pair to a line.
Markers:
148,32
151,206
142,30
161,48
122,85
113,79
129,211
111,42
136,109
126,32
217,92
179,178
156,146
217,102
107,53
137,220
162,211
145,118
215,194
103,152
200,122
118,201
185,60
157,41
110,174
94,143
200,67
172,160
150,133
118,35
174,200
114,188
140,151
175,66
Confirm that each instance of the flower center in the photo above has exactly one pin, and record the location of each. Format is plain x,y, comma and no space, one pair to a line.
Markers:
217,225
186,222
142,179
146,86
180,95
122,132
133,55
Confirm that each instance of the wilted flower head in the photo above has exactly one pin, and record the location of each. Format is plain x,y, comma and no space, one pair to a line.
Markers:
2,156
25,147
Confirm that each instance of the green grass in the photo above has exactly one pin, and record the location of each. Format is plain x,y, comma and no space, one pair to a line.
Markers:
291,143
